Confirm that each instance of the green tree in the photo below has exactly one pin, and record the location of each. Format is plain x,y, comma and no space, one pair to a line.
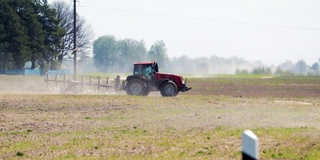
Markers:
315,68
113,55
301,68
5,12
202,65
262,70
53,35
130,51
183,64
286,68
27,29
242,71
29,16
105,53
13,35
158,53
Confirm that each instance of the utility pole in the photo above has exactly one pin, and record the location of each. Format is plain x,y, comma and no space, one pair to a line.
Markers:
75,40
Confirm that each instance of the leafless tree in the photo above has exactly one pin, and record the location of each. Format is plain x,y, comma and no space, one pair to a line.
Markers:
84,33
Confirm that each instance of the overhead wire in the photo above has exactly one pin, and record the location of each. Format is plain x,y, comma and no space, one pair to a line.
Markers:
244,8
210,19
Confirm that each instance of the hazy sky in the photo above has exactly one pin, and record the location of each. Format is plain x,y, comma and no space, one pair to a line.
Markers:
271,31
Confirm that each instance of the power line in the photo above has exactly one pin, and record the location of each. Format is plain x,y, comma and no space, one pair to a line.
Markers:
203,19
244,8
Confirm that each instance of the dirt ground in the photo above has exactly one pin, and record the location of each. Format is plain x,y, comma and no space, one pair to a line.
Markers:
263,87
204,123
238,87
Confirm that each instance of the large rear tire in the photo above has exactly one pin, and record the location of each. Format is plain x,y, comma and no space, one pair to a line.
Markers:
169,89
136,87
146,93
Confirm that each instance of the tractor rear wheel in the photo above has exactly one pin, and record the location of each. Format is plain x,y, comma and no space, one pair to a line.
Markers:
169,89
136,87
146,93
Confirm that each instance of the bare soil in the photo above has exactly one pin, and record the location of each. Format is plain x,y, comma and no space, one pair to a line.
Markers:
238,87
264,87
203,123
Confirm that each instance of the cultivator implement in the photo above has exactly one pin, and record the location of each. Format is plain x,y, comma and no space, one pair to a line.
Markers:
92,85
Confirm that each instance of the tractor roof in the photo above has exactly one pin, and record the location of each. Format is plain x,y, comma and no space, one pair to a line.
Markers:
144,63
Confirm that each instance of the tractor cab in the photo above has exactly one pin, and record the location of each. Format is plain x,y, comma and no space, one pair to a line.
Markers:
147,69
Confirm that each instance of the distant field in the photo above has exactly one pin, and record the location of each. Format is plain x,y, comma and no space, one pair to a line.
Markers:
262,86
204,123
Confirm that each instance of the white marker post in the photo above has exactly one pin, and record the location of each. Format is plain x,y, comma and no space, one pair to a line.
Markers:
250,146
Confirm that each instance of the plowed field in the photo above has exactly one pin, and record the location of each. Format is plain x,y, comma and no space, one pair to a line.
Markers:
203,123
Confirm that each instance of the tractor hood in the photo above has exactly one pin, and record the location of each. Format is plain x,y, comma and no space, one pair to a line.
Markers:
169,76
177,79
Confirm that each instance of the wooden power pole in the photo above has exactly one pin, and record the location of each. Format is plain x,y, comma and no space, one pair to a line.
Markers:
75,40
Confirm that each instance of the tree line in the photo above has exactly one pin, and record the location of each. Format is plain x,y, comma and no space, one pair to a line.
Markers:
33,30
112,55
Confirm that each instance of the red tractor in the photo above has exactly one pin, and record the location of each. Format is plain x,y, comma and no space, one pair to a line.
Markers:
146,77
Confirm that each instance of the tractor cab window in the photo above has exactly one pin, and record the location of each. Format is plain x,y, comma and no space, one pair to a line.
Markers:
137,69
148,72
142,69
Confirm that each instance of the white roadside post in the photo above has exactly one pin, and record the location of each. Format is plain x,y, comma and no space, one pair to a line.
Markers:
250,146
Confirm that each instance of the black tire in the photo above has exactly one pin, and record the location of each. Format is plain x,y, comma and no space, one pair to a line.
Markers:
146,93
136,87
169,89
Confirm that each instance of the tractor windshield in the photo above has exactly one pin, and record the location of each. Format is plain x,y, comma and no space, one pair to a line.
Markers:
143,69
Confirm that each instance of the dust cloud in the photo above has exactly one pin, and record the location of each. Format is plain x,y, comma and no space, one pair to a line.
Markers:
181,65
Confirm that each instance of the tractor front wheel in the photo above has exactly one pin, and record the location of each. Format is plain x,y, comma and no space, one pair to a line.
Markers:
136,87
169,89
